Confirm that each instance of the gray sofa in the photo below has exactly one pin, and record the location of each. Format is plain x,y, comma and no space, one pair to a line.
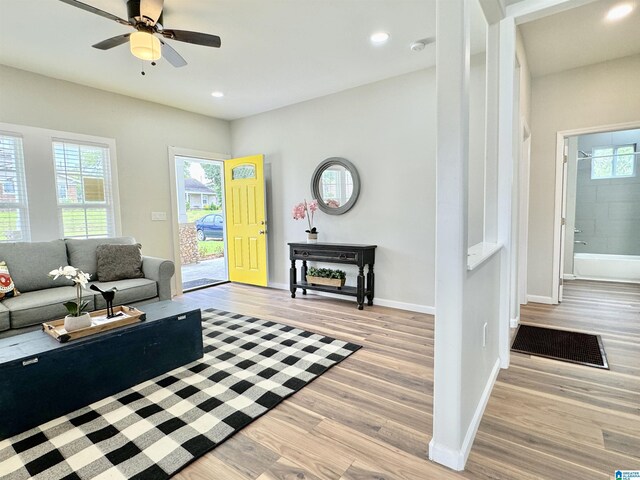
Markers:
42,298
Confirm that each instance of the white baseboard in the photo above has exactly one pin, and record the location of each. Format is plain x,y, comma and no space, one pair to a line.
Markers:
597,279
477,416
539,299
411,307
445,456
514,322
456,459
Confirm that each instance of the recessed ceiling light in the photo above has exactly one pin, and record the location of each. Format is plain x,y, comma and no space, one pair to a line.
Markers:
619,11
379,38
217,94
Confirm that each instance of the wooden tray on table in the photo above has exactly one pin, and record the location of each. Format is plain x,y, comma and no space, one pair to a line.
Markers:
99,323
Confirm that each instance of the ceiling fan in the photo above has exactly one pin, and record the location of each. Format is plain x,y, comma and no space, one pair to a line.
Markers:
146,17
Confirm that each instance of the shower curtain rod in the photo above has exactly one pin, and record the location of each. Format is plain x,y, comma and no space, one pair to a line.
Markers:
609,156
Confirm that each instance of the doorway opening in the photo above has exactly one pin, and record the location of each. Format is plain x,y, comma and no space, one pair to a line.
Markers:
201,221
598,218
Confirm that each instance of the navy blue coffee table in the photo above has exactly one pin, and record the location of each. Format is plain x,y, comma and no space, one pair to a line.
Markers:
41,379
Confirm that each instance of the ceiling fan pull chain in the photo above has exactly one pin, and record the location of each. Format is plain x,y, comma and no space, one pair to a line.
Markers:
142,72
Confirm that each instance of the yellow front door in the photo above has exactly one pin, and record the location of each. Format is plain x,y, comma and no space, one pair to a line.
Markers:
246,220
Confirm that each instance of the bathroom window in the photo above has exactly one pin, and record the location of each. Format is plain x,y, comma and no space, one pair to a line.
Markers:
615,161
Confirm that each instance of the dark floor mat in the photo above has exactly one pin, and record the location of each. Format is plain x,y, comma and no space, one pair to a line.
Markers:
574,347
200,282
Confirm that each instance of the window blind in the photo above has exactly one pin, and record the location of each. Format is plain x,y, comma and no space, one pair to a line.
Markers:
14,218
83,186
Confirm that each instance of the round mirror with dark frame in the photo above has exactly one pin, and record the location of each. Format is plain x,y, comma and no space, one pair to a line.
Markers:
336,185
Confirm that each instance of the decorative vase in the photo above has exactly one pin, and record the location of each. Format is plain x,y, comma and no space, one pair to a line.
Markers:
312,238
72,322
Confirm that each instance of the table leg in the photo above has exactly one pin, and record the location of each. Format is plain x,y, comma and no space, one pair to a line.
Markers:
303,275
292,279
370,285
360,291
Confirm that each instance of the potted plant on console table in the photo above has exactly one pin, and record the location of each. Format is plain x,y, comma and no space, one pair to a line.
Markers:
326,276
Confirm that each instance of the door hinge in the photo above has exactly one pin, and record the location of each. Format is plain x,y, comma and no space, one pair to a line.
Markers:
564,221
564,159
561,281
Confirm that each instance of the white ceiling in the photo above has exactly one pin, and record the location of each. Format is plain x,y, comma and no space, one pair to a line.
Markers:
274,52
579,37
279,52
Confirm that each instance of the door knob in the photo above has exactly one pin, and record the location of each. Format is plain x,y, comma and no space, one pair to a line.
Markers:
262,232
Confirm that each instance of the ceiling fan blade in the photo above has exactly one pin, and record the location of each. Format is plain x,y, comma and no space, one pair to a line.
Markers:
112,42
151,9
173,57
196,38
97,11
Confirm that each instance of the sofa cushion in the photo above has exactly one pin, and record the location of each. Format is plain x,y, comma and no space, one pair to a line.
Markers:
31,262
129,291
7,287
119,262
82,253
39,306
4,318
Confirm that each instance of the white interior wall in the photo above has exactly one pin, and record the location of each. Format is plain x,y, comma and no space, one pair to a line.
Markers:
387,129
142,132
601,94
479,360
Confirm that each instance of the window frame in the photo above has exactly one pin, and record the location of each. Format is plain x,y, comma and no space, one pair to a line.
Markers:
40,176
614,160
19,186
85,205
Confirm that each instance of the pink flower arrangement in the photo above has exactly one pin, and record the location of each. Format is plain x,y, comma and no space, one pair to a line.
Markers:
306,210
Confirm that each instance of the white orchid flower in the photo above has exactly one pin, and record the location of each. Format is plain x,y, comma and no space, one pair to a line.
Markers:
80,279
69,271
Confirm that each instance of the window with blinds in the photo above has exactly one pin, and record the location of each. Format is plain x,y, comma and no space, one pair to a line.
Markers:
83,187
14,218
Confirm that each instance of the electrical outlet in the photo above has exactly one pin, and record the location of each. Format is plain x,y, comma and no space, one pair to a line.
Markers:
484,334
158,216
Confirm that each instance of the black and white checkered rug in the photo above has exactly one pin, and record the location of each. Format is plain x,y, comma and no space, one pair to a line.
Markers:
154,429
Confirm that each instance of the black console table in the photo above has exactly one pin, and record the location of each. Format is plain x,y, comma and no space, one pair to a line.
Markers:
359,255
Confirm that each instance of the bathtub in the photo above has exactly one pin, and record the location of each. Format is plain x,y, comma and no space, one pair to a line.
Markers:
599,266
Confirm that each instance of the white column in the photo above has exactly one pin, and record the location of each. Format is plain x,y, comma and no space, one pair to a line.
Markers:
452,84
505,175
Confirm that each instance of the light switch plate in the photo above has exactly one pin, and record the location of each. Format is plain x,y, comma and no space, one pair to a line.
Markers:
158,216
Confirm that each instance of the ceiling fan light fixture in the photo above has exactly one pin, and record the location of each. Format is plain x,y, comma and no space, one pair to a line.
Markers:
145,46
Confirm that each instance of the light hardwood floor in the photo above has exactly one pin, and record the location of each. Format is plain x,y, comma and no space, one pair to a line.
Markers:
370,416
